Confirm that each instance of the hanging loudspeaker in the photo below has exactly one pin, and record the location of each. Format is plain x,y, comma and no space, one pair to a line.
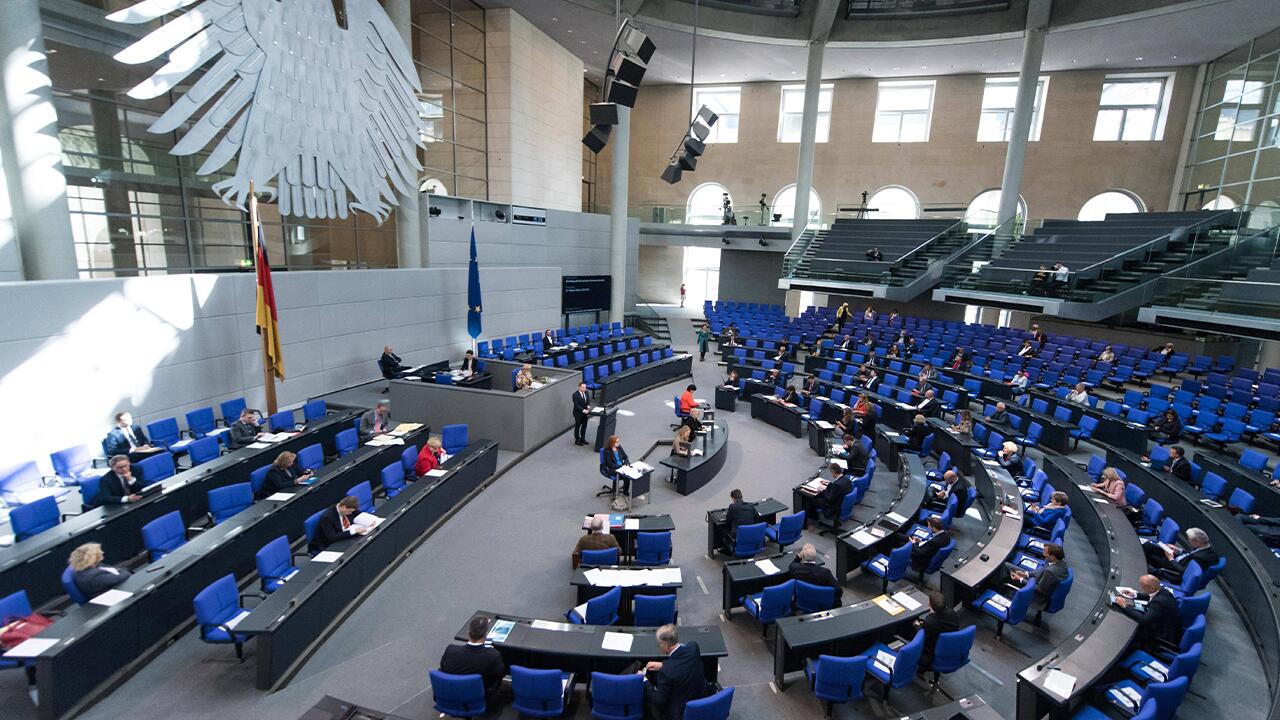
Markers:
638,44
700,131
596,138
604,114
622,93
694,146
687,162
626,69
706,116
672,173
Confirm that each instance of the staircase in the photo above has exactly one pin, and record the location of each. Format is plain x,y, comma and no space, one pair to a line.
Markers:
650,321
1175,256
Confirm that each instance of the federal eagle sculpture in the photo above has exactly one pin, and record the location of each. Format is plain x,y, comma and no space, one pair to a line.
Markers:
318,95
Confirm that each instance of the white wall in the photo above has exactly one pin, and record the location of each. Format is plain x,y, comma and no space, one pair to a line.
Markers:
72,353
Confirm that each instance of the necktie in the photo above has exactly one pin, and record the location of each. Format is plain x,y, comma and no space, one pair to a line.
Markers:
128,434
377,423
345,522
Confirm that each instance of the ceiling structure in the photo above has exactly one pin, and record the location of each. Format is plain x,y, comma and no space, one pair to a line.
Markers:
1145,34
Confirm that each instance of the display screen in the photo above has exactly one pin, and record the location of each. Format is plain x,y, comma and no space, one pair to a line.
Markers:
585,293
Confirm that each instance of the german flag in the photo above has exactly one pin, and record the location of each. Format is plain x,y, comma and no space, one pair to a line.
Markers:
267,319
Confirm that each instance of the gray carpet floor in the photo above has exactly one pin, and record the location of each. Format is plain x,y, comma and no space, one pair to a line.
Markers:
508,551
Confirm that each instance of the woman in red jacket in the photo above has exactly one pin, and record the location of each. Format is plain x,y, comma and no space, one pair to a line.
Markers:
429,458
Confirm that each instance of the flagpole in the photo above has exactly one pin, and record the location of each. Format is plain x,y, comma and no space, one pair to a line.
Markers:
268,371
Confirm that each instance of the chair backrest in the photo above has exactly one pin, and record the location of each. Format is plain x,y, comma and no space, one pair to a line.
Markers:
904,668
69,584
653,548
1168,532
70,461
314,410
1191,578
714,707
1186,663
231,410
940,557
617,697
89,492
1059,596
654,610
899,561
200,421
203,450
164,535
1193,606
346,441
1097,464
1213,486
164,431
155,468
951,652
225,502
1242,499
310,524
310,457
14,605
1168,696
775,600
258,478
282,421
1193,633
839,679
790,527
392,479
274,560
217,603
34,517
814,598
364,493
606,556
603,609
454,438
537,692
458,695
1021,602
749,540
1152,512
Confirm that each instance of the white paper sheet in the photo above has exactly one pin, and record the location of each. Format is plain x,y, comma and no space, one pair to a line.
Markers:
327,556
233,622
895,517
581,610
258,445
1060,683
905,600
864,537
436,473
32,647
548,625
280,496
618,642
767,567
631,524
111,597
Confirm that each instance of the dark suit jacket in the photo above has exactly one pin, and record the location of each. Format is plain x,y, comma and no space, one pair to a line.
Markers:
474,660
999,416
1181,469
580,404
118,444
329,529
929,406
680,680
547,343
470,363
1048,577
1013,464
280,480
98,579
916,435
112,489
936,623
242,434
389,364
833,494
611,464
856,456
1160,621
368,419
923,552
740,513
1204,557
814,574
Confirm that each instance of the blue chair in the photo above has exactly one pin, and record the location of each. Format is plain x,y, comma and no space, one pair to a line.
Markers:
714,707
164,535
600,610
73,590
1214,486
309,529
283,421
275,564
1058,599
891,567
155,468
14,606
940,557
454,438
836,679
459,696
231,410
1192,635
393,479
617,697
408,462
216,606
225,502
951,652
653,548
607,556
1242,499
258,478
1195,606
203,450
165,433
314,410
770,604
346,441
1088,425
1006,610
364,493
201,424
654,610
89,493
749,540
74,465
846,509
310,457
786,531
540,693
1183,664
814,598
895,669
1167,696
34,517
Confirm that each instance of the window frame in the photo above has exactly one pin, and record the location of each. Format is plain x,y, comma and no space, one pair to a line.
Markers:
1037,108
1161,107
820,136
714,136
928,113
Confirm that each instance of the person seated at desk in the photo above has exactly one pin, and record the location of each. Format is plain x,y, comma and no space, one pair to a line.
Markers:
963,424
693,420
1111,485
612,457
1018,385
1164,352
1160,623
672,683
245,431
687,401
927,373
790,396
783,354
1000,415
390,365
909,347
376,421
832,496
1039,283
1045,517
548,341
1179,466
1166,558
680,443
1079,395
775,378
469,363
125,439
812,387
731,381
1107,355
854,454
1048,577
805,568
1027,350
918,431
119,486
874,255
1167,428
283,475
737,514
952,484
335,523
868,378
940,619
1038,334
845,344
598,537
959,359
1009,459
892,353
866,414
476,658
929,404
867,341
430,457
524,377
847,424
90,576
1266,528
922,551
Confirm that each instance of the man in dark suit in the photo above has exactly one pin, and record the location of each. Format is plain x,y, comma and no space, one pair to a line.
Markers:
581,413
1047,578
672,683
855,455
1000,416
929,405
922,551
805,568
952,484
376,421
1160,622
940,619
470,363
119,486
737,514
1179,466
244,431
832,496
548,341
126,439
474,658
335,523
1174,563
390,365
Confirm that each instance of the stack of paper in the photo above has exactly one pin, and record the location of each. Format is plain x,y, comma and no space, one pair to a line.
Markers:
815,485
888,605
631,524
327,556
767,567
405,428
999,601
111,597
863,537
616,641
548,625
367,520
32,647
824,425
904,599
896,518
383,440
884,660
1060,683
437,472
623,577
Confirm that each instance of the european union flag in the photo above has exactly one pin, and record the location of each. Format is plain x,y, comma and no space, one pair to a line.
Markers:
473,291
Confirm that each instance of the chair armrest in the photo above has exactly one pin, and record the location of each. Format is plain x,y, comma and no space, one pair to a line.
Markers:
259,596
64,516
193,530
295,556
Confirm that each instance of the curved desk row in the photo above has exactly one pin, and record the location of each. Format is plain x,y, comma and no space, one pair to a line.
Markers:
1266,495
694,471
718,524
35,564
784,417
620,386
295,619
1106,632
864,542
1111,429
99,646
1251,578
964,573
1055,435
815,363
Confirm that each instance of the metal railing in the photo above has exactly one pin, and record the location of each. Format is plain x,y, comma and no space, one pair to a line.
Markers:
1207,284
913,8
954,227
795,253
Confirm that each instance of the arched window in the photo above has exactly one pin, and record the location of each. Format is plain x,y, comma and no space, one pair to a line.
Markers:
1111,201
893,202
705,206
784,204
433,186
981,213
1222,202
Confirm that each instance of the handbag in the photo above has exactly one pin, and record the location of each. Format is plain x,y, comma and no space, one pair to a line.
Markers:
21,629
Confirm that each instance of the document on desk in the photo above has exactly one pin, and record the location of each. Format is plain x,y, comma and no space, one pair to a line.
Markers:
618,642
327,556
895,517
500,630
258,445
631,524
1059,683
405,428
111,597
904,599
32,647
593,576
549,625
664,576
385,440
823,425
815,485
888,605
436,473
280,496
597,410
767,567
368,520
863,537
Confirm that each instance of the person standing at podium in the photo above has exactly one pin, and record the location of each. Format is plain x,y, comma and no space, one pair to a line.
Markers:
581,413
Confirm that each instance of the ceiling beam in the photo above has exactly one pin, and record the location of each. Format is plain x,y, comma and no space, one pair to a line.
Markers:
824,18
